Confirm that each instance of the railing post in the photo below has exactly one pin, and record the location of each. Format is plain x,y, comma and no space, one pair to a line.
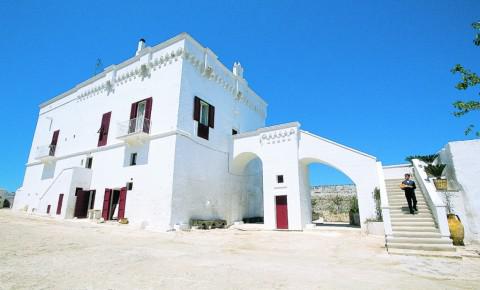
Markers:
387,224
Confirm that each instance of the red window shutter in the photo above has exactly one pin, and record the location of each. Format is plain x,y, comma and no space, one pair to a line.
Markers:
202,131
60,202
211,116
133,111
148,115
55,137
53,144
196,109
105,125
148,108
121,202
106,204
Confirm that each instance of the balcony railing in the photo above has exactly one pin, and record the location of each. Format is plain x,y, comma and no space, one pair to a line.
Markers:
45,152
137,127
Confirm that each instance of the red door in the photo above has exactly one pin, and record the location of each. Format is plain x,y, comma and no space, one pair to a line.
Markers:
121,202
282,211
60,202
106,204
81,204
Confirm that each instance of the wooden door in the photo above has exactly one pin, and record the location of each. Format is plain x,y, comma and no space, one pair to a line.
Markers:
81,204
282,211
59,204
121,202
106,204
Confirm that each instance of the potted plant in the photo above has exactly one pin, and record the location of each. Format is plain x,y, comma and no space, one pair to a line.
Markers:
457,233
354,213
436,171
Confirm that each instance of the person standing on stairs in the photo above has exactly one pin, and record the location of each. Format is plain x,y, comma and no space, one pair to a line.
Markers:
409,186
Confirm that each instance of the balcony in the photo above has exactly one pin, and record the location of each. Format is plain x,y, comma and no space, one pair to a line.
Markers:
134,131
45,153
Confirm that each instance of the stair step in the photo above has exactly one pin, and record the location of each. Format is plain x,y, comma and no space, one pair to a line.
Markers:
416,240
417,234
423,229
411,218
413,223
408,214
405,209
409,252
404,203
424,247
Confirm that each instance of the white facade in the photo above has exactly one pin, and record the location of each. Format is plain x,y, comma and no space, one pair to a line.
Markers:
176,175
462,172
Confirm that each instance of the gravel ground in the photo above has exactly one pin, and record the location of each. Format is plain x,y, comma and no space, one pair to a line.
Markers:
44,253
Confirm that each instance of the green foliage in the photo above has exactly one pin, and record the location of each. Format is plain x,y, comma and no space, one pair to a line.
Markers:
425,158
378,204
468,79
354,204
435,169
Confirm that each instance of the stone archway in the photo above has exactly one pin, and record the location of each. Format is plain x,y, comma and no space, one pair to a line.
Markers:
248,171
285,151
361,168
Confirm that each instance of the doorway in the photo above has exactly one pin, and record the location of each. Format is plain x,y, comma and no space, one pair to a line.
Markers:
114,203
281,211
84,201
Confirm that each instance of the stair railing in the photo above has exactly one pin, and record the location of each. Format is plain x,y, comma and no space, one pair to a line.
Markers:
432,198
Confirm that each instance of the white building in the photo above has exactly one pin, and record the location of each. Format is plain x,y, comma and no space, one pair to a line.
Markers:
172,135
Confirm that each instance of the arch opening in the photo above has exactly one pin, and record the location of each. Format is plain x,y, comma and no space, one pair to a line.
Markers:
248,169
330,193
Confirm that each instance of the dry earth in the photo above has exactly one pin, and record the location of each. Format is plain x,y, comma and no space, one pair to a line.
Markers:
43,253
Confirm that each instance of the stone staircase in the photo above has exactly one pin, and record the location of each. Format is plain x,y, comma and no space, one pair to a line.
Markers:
414,234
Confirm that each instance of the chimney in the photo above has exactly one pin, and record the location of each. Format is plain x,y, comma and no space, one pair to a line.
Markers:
141,45
238,69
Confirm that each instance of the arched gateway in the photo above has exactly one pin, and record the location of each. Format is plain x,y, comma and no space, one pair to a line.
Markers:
285,152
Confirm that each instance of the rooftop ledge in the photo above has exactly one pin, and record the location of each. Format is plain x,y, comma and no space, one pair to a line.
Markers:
146,50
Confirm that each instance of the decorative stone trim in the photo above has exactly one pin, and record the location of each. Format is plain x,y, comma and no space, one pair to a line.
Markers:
140,71
233,88
278,136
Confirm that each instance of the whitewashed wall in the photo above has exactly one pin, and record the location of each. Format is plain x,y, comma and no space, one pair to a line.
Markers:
396,171
463,170
164,163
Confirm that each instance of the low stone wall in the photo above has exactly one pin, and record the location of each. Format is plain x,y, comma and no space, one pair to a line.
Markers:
332,202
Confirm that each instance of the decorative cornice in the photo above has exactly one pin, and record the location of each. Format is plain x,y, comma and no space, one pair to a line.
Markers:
231,85
278,136
137,67
141,71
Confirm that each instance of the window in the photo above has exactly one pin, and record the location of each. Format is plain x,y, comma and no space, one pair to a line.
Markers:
133,159
234,132
204,114
279,178
129,185
140,115
88,163
103,131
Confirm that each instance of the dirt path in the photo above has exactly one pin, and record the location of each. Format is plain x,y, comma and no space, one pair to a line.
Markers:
42,253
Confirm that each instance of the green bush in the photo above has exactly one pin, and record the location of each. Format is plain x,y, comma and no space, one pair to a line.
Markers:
435,170
354,204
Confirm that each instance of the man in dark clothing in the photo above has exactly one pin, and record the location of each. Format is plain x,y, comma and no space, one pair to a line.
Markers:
409,187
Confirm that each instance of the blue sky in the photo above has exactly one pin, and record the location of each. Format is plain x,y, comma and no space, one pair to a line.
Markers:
373,75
